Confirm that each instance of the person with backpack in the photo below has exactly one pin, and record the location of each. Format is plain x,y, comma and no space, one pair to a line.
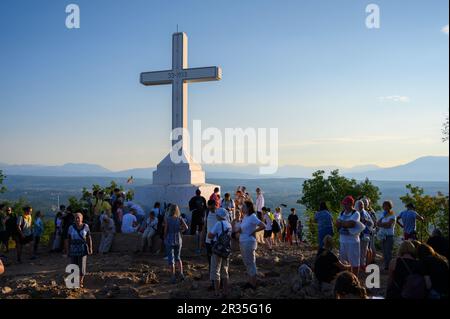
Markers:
209,222
386,231
174,226
406,276
247,230
220,235
24,233
349,250
79,244
435,269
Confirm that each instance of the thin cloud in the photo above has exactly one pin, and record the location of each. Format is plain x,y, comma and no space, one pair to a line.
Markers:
445,29
357,139
394,98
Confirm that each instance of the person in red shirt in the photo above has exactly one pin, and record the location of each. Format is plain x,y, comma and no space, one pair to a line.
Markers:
216,197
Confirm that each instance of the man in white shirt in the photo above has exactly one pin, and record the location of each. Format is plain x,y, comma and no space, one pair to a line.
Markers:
140,213
129,223
259,201
209,222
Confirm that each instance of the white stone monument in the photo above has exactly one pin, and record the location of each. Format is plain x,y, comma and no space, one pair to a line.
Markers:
177,183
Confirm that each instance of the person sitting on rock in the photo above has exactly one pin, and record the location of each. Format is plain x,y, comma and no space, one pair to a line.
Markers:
108,230
327,264
129,222
150,226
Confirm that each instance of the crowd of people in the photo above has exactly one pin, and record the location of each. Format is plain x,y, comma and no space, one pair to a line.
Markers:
418,271
21,229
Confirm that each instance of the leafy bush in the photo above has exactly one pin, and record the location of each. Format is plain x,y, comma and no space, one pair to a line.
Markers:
2,177
332,190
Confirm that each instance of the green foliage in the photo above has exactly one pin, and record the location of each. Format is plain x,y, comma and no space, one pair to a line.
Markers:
17,206
87,199
2,177
433,208
49,229
76,205
312,233
332,190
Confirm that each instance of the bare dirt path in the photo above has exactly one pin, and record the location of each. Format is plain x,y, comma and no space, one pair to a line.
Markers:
118,275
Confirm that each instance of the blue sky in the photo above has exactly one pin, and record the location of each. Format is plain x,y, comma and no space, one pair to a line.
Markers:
310,68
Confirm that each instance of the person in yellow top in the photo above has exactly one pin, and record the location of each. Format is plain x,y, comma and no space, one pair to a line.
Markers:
101,206
24,234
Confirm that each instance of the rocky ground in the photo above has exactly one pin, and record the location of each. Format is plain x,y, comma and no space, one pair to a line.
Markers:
125,276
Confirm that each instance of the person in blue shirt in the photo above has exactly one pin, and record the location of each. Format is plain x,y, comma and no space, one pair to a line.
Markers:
38,231
324,222
409,218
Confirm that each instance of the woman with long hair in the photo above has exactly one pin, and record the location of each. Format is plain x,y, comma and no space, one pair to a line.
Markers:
174,226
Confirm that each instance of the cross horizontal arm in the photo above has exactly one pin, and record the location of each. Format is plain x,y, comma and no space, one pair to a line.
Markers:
156,78
212,73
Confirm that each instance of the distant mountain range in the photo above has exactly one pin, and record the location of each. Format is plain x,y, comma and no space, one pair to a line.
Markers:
429,168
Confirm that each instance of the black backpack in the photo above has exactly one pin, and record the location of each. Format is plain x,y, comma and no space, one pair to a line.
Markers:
222,246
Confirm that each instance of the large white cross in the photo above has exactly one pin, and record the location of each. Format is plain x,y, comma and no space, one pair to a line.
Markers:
179,77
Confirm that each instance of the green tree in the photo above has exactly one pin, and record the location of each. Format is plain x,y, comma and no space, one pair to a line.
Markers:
2,177
332,190
433,208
